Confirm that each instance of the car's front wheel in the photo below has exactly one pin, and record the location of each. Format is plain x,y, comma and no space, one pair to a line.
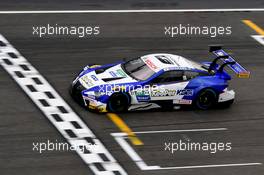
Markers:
76,93
118,102
206,99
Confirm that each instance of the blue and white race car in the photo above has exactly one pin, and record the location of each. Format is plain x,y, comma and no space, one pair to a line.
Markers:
157,81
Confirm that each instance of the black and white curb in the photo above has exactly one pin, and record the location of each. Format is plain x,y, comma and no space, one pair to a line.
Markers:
59,113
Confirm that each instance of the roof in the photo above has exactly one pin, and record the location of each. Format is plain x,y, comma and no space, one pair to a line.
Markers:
161,61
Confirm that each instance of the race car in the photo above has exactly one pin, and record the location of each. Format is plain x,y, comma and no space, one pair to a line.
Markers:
157,81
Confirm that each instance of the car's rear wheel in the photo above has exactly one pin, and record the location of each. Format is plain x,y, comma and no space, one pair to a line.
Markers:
118,102
206,99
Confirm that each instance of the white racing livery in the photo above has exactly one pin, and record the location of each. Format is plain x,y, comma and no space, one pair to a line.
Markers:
157,81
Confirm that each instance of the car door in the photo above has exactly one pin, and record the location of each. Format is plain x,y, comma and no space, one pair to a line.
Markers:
168,86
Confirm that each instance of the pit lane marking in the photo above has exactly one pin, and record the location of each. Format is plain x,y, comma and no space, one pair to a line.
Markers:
124,128
59,113
132,11
256,28
121,140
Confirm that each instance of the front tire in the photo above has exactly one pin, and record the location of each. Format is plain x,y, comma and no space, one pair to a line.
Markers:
206,99
118,102
76,93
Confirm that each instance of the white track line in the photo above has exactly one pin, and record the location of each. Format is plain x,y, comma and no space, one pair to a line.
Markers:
259,38
59,113
121,140
211,166
183,130
132,153
134,11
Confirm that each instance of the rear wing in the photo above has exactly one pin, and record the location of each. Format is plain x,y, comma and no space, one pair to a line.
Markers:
227,60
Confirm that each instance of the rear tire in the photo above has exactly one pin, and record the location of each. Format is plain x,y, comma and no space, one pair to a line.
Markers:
206,99
118,102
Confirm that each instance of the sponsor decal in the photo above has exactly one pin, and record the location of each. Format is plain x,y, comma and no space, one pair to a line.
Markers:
171,92
121,73
94,77
113,74
185,92
163,92
141,92
143,98
150,64
87,81
176,68
118,73
184,101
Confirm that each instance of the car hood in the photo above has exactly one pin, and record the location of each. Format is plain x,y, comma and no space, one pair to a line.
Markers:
112,75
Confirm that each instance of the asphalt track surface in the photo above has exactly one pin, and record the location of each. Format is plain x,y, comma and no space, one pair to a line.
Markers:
126,36
126,4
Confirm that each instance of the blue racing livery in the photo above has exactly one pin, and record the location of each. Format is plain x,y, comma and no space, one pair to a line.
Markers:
157,81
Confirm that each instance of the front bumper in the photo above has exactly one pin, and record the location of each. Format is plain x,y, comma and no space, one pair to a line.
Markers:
86,100
94,105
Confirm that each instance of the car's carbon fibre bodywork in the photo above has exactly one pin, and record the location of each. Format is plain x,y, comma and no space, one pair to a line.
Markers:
95,85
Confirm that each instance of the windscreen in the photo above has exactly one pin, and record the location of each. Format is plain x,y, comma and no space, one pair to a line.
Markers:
138,69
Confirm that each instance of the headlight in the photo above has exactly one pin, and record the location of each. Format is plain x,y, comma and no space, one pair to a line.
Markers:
98,94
